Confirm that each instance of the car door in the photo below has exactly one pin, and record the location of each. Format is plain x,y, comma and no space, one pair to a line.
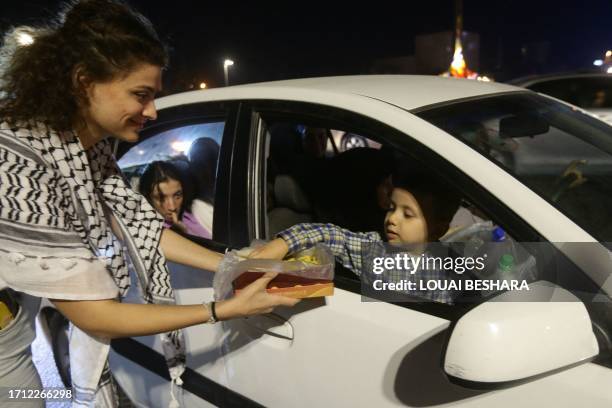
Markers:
137,363
342,351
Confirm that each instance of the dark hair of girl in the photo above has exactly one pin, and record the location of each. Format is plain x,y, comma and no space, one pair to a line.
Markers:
102,39
159,172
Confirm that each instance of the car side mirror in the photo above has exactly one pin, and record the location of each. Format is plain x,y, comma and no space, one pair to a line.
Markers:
518,335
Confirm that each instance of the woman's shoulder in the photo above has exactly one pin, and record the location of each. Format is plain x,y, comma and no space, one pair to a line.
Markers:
35,128
29,134
20,143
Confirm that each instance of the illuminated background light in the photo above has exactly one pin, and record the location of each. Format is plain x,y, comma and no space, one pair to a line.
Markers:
182,147
24,39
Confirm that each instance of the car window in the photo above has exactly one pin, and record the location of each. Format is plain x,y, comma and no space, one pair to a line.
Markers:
586,92
309,168
190,153
353,190
563,155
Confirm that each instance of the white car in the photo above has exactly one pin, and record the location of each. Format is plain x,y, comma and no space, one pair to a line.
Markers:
590,91
536,167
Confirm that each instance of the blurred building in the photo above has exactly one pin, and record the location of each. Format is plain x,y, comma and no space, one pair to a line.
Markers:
433,54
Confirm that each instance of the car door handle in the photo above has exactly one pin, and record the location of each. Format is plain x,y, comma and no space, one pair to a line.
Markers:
271,324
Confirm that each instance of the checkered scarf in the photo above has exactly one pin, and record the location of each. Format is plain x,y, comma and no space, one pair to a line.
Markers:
91,189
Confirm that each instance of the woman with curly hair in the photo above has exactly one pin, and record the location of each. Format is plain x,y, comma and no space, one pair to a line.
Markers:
68,221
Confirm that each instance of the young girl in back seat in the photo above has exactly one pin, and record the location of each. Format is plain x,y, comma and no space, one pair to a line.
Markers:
166,189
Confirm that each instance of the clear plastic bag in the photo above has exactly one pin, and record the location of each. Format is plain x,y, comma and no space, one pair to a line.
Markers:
235,263
478,240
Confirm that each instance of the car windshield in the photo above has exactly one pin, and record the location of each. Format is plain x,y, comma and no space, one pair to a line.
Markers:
561,153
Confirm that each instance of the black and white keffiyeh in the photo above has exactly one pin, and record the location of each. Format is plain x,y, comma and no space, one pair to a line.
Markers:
56,202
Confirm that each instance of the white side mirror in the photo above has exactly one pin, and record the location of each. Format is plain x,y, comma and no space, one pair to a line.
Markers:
521,334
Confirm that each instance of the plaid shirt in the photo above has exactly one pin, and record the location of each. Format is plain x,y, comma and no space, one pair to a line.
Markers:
354,249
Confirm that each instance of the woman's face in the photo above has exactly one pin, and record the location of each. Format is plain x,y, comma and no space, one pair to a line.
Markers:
121,106
168,199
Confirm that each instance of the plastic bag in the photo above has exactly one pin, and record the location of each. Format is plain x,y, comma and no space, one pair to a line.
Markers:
235,263
480,240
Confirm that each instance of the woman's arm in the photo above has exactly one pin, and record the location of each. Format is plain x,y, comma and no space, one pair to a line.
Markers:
181,250
112,319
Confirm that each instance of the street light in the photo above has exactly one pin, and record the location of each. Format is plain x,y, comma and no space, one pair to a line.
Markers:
24,38
226,64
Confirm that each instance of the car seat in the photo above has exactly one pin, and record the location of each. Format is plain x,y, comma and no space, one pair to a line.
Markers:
291,205
203,160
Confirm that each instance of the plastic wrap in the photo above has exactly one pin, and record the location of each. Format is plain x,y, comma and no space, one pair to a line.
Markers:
479,240
235,263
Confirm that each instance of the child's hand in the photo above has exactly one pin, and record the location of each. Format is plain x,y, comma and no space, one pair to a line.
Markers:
275,249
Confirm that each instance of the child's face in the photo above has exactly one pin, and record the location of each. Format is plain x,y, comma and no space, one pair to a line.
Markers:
168,199
404,222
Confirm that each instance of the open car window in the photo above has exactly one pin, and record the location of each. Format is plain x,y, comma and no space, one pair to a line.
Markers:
193,151
351,189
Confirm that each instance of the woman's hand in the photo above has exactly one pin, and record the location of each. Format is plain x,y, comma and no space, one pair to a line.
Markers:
275,249
253,300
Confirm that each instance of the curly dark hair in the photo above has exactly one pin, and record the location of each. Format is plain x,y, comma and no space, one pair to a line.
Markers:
100,38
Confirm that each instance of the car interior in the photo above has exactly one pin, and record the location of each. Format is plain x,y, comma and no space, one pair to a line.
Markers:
349,188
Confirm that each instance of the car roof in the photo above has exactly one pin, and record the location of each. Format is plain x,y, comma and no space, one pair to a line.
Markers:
534,79
406,91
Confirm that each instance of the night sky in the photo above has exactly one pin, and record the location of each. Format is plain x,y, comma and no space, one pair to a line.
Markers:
291,39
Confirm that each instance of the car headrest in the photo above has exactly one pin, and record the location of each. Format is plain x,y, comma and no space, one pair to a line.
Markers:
288,193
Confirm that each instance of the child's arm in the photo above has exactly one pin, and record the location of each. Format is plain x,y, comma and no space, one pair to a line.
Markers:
344,244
